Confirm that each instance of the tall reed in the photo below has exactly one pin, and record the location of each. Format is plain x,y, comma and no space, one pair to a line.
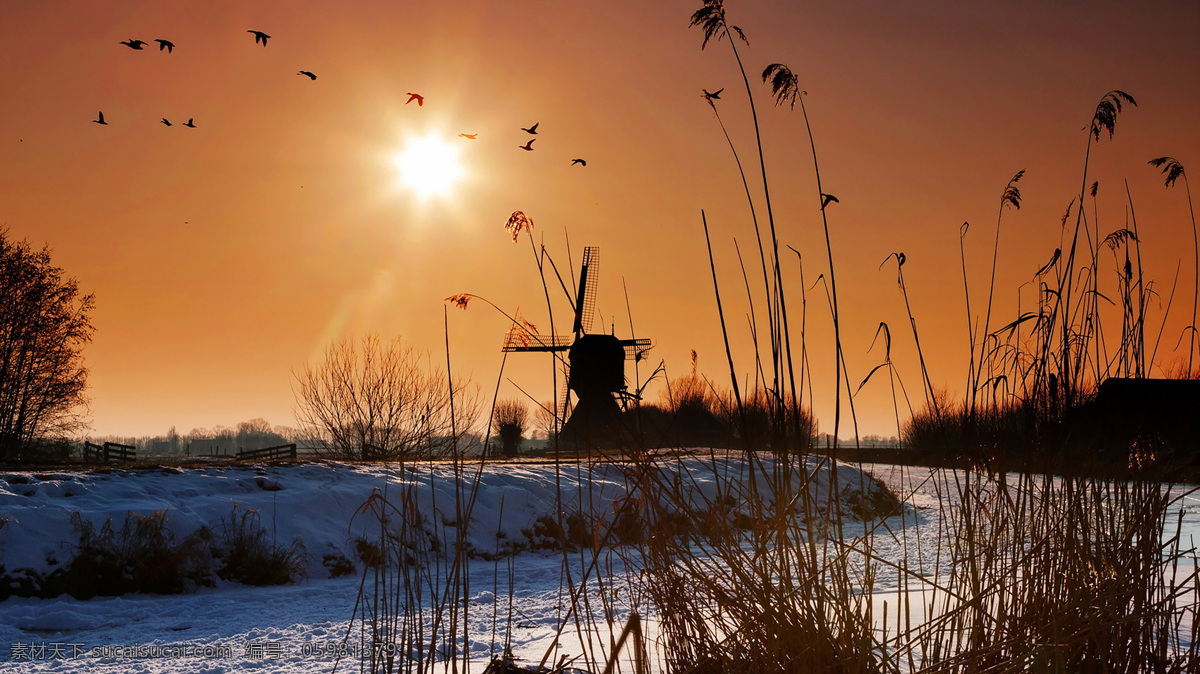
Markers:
1173,170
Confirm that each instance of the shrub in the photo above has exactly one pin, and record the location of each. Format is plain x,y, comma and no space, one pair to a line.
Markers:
369,553
143,556
245,556
874,501
338,565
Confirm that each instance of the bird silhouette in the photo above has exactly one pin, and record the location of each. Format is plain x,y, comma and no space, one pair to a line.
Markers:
259,36
134,44
309,75
100,119
164,121
189,123
528,146
415,97
165,44
468,135
581,162
532,129
826,198
713,95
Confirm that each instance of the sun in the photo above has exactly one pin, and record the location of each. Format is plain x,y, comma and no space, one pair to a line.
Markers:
429,166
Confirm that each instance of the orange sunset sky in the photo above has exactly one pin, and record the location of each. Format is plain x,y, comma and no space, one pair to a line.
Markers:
226,256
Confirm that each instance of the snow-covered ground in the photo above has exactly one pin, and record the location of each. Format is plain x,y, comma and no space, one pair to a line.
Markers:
297,627
516,599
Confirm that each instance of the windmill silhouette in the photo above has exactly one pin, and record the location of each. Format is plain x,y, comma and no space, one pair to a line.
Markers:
595,363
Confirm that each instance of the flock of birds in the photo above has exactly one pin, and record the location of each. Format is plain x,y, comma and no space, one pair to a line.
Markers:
261,38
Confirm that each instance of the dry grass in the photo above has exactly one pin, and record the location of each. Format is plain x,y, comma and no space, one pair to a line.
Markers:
795,570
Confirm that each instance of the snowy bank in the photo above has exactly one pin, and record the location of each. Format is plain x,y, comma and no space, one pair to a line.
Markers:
508,507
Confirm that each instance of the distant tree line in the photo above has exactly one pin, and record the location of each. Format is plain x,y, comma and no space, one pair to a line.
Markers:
252,434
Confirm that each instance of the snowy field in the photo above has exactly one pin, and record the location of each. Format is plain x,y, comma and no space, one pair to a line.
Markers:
517,593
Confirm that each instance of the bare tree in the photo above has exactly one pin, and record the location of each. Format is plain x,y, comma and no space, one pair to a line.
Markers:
511,419
44,325
382,401
544,420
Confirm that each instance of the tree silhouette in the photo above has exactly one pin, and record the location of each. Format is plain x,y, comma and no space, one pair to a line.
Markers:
44,326
511,417
379,400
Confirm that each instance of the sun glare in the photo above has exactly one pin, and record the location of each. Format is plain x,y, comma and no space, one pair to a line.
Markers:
429,166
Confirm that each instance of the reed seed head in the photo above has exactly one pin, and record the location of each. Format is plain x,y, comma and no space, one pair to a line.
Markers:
461,300
711,18
784,85
1171,168
1012,195
1106,112
1066,215
1118,238
517,223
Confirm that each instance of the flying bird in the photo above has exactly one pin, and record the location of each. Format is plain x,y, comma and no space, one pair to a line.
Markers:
309,75
414,97
165,44
189,123
100,119
468,135
134,44
164,121
532,129
528,146
259,36
581,162
826,198
713,95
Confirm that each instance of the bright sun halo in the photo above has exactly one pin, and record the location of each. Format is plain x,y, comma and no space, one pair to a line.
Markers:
429,166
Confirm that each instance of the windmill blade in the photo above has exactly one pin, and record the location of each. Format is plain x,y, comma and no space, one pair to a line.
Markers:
585,303
635,349
520,338
563,399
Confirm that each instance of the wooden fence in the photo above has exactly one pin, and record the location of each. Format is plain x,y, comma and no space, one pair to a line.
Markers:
110,451
278,452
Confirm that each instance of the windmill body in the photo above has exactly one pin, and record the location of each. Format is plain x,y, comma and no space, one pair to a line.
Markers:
595,364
